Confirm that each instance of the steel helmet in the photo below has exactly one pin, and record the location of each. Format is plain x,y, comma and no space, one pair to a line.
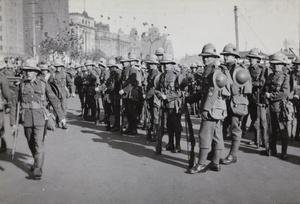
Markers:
209,50
112,63
132,57
219,79
152,60
159,51
58,63
254,53
124,58
167,59
193,65
278,58
230,49
240,76
31,64
296,61
90,63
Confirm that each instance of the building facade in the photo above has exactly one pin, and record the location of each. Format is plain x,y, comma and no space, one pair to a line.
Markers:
84,27
43,18
11,28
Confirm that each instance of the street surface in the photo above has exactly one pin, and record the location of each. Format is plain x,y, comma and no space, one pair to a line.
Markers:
87,165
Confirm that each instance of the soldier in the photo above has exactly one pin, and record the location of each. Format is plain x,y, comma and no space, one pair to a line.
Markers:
296,95
89,81
213,94
112,88
277,91
4,94
170,94
32,96
78,85
62,80
45,71
257,104
240,87
151,98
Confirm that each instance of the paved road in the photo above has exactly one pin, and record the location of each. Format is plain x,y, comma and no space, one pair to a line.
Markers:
86,164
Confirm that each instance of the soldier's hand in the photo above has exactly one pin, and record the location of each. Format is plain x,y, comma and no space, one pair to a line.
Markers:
73,95
63,122
205,115
268,95
144,96
163,96
97,89
121,92
296,97
13,129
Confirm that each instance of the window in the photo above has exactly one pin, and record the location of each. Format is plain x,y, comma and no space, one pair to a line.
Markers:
82,21
0,37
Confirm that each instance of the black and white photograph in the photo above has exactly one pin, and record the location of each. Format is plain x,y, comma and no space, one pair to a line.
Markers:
149,101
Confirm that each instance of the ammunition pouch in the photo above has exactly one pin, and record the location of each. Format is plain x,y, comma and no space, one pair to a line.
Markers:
219,109
239,105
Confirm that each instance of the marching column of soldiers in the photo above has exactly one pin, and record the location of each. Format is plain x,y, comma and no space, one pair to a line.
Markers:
153,94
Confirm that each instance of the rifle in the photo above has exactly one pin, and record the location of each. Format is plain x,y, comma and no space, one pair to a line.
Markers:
258,119
160,129
121,112
15,134
190,136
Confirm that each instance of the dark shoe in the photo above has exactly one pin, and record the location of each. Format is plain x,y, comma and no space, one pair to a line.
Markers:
37,172
273,153
64,127
108,128
170,147
297,138
153,139
3,149
283,156
199,168
114,129
214,167
126,131
228,160
176,150
132,132
80,115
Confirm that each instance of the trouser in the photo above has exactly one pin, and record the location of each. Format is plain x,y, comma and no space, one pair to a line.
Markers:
278,127
153,113
90,103
174,127
36,142
262,124
235,123
107,108
2,130
297,121
132,114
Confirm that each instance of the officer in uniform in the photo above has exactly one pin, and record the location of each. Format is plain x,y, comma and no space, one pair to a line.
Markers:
257,104
277,92
240,87
4,94
213,94
32,96
169,92
90,81
151,98
78,84
62,80
296,95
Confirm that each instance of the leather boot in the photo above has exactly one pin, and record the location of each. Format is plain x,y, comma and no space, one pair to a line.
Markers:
234,147
284,144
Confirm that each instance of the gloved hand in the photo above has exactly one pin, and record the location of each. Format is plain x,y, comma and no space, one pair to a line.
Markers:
163,96
13,129
121,92
205,115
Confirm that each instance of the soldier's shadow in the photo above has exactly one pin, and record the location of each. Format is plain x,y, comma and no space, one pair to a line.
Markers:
18,161
135,145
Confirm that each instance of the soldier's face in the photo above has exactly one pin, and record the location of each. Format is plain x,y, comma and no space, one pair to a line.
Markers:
229,58
208,60
277,67
253,61
168,67
31,75
152,66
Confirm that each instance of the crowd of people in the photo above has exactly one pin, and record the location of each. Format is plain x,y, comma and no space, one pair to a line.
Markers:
152,94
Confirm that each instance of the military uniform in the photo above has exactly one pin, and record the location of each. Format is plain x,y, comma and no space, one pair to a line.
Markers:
277,92
32,96
5,94
171,97
295,77
238,102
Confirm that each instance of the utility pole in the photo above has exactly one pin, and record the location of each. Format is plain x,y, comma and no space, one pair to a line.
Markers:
33,30
236,28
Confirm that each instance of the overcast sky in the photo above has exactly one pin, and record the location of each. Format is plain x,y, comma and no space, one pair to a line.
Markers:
191,24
